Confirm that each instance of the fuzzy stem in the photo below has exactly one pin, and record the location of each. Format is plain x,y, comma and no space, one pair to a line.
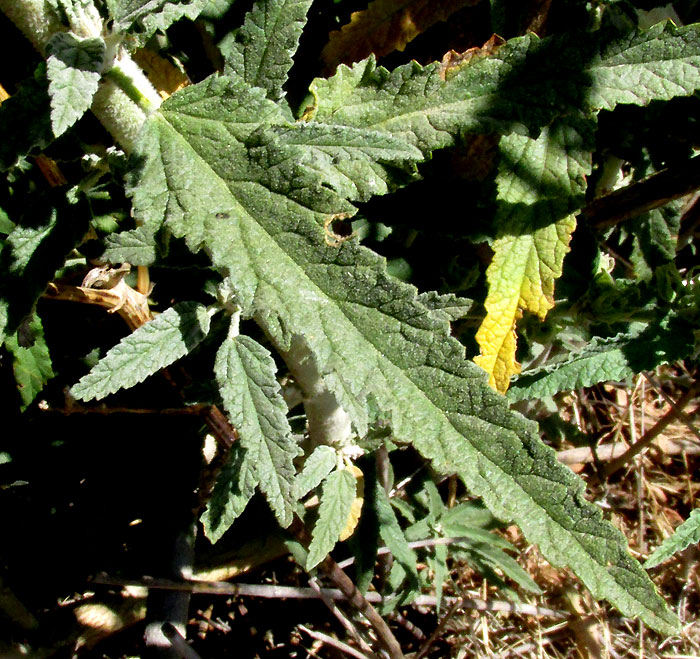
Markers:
35,18
125,96
328,422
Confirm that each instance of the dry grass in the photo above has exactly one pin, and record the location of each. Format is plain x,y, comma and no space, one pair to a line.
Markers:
646,500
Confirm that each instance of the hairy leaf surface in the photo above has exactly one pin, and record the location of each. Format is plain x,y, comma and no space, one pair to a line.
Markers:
144,17
317,466
337,496
245,373
262,50
540,182
612,359
687,533
215,176
523,86
235,487
151,347
74,68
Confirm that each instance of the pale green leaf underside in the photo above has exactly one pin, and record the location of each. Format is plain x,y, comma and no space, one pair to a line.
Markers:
261,52
245,374
153,346
337,495
609,360
235,487
317,466
686,534
369,334
74,68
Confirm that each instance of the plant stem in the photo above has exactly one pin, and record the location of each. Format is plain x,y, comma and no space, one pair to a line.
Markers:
125,96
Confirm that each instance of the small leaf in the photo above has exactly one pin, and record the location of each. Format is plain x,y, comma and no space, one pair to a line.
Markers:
31,361
386,25
47,232
356,508
337,497
143,17
540,183
25,120
317,466
151,347
235,487
261,50
74,68
392,536
611,359
686,534
136,247
245,373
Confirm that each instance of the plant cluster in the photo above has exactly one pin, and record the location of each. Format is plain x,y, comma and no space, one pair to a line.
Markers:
351,261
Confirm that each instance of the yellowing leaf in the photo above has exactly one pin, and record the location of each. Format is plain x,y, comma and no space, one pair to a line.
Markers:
540,183
385,25
356,508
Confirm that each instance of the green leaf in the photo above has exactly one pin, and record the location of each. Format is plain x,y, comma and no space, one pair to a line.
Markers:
540,184
74,69
317,466
392,536
261,51
610,359
526,84
337,496
136,247
31,361
144,17
151,347
46,233
687,533
25,121
355,163
235,487
245,374
369,335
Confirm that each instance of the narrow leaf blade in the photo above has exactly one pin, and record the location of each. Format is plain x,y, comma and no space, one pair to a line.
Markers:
245,374
261,52
317,466
611,359
235,487
686,534
337,497
151,347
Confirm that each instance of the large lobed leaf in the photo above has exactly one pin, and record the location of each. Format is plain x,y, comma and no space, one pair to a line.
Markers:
215,175
523,86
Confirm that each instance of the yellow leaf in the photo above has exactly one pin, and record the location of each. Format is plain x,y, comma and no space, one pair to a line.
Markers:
356,508
385,26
